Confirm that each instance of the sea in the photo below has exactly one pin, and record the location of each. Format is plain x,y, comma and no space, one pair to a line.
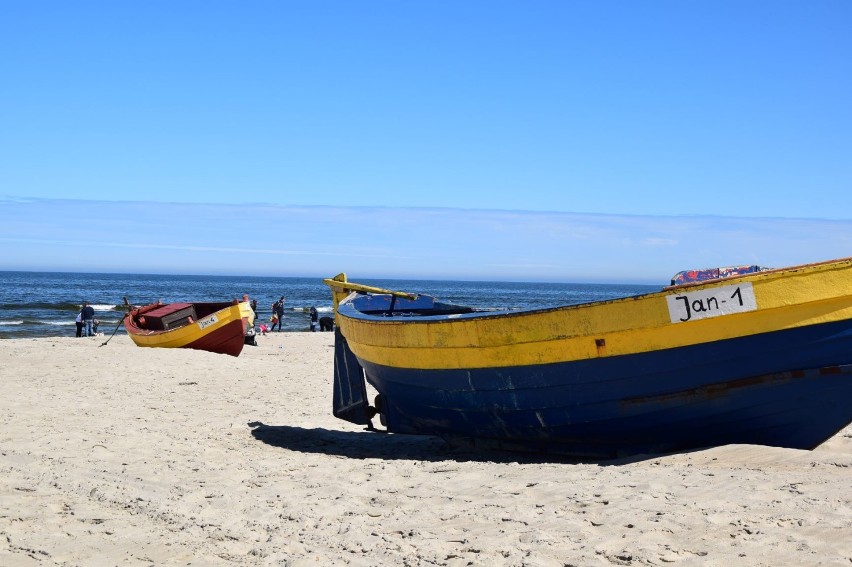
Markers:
45,304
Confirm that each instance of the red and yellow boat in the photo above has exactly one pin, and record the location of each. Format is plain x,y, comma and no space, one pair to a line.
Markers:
218,327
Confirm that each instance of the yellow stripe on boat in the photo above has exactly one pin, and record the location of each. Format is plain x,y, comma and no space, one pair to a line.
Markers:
785,299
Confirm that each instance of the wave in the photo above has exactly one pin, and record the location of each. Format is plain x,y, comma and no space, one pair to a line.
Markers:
62,323
102,307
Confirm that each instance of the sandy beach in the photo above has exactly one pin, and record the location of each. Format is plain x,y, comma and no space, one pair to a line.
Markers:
118,455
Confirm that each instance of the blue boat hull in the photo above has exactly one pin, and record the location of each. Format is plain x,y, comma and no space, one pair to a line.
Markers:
733,391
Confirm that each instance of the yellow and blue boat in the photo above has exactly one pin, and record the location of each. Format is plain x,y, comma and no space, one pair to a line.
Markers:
758,357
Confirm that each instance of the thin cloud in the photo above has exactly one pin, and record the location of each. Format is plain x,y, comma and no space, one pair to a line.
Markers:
176,247
425,243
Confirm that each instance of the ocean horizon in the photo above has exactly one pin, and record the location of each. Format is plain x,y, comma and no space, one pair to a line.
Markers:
45,304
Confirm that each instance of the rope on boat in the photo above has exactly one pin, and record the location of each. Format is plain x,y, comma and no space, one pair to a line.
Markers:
120,321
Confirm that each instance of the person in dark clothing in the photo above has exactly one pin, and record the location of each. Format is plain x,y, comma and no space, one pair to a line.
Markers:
314,319
88,314
326,324
278,311
79,322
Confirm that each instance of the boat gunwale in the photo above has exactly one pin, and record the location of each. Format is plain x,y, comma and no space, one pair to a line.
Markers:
142,310
347,309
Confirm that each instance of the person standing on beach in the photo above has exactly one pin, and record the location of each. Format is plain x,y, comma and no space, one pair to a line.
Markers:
79,322
88,314
314,319
278,311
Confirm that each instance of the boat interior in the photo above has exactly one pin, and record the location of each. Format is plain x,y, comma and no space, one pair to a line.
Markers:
394,306
174,315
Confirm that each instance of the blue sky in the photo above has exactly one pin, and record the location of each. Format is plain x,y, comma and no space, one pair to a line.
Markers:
565,141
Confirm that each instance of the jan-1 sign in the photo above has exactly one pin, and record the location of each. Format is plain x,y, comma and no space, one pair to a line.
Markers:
706,303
